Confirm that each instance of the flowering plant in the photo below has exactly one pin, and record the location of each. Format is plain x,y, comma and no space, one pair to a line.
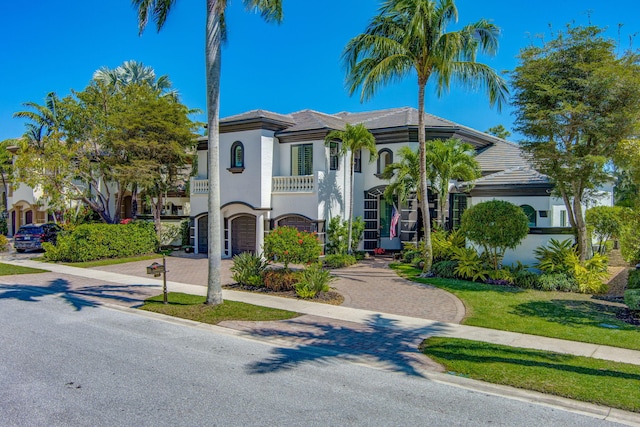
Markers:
378,251
287,244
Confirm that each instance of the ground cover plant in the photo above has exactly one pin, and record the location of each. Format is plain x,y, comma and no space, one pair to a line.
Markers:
582,378
8,270
193,307
564,315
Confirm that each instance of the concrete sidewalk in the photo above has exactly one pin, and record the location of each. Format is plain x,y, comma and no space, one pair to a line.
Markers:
376,331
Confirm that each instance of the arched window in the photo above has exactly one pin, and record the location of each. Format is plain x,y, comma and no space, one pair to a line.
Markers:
385,157
531,214
237,157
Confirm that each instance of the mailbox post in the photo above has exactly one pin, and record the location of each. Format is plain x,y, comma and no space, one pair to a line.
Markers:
158,269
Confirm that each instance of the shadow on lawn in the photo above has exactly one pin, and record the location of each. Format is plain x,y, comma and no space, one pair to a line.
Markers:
78,298
380,340
463,352
570,312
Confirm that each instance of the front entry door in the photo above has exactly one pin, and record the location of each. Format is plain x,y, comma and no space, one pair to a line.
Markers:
243,235
203,234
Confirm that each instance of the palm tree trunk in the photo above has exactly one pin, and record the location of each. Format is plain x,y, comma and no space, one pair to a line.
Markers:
213,58
349,250
424,195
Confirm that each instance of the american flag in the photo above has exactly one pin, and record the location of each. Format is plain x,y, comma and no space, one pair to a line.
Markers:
395,217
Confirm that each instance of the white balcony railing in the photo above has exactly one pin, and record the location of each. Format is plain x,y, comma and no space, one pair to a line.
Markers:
293,184
199,186
280,184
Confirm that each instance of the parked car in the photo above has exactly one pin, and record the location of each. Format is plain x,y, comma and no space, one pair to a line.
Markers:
31,236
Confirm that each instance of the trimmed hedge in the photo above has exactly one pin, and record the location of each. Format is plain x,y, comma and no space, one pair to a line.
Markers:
632,299
634,279
90,242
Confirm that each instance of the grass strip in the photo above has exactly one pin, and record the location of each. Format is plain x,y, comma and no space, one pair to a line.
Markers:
112,261
192,307
596,381
564,315
9,269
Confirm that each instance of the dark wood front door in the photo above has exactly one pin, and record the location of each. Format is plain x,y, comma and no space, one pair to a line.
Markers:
203,234
243,234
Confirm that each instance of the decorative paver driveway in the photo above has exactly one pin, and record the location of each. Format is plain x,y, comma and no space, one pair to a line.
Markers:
369,285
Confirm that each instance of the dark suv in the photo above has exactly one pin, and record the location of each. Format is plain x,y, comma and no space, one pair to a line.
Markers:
31,236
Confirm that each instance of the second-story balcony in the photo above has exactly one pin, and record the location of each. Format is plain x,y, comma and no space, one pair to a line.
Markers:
293,184
279,184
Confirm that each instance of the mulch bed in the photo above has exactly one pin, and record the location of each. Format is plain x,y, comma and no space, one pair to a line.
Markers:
332,297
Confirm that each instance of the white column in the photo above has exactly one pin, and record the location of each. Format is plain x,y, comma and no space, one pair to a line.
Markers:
259,232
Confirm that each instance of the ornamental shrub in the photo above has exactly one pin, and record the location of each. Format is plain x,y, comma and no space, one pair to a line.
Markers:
279,280
89,242
4,242
247,268
338,234
445,269
557,257
339,260
288,245
526,279
632,299
633,282
557,282
605,222
185,228
470,265
312,280
630,238
444,243
496,226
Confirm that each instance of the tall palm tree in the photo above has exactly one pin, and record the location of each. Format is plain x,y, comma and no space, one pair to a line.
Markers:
158,10
353,138
409,36
446,161
43,120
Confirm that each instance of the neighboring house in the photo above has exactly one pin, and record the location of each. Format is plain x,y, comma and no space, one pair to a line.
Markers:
276,170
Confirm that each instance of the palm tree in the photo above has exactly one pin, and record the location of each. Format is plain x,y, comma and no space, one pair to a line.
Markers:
446,161
353,138
158,10
403,176
409,36
43,120
134,72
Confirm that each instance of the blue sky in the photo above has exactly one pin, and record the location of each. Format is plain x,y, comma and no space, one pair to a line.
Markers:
56,45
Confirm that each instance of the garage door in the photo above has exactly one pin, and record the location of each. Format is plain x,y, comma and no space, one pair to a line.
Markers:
302,224
243,234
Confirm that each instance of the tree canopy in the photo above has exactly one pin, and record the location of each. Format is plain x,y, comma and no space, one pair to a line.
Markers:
576,101
104,137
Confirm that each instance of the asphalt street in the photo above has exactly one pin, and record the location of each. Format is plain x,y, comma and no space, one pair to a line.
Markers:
70,362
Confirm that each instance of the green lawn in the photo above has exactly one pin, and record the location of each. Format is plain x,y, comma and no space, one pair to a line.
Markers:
192,307
569,316
581,378
8,270
112,261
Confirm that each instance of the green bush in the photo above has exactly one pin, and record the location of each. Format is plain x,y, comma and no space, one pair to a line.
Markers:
444,244
445,269
168,233
288,245
605,222
495,225
312,280
339,260
411,252
632,299
4,229
185,228
557,257
247,268
634,279
630,238
557,282
4,242
526,279
470,265
89,242
338,234
279,280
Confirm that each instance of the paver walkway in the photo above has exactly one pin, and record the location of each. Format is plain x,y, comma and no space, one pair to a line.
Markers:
369,285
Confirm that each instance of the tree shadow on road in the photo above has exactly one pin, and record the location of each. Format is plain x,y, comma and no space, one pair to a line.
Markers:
379,340
76,297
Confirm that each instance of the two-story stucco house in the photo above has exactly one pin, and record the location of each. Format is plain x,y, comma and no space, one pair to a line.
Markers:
276,170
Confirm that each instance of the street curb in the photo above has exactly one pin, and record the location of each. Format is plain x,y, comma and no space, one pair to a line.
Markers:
574,406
